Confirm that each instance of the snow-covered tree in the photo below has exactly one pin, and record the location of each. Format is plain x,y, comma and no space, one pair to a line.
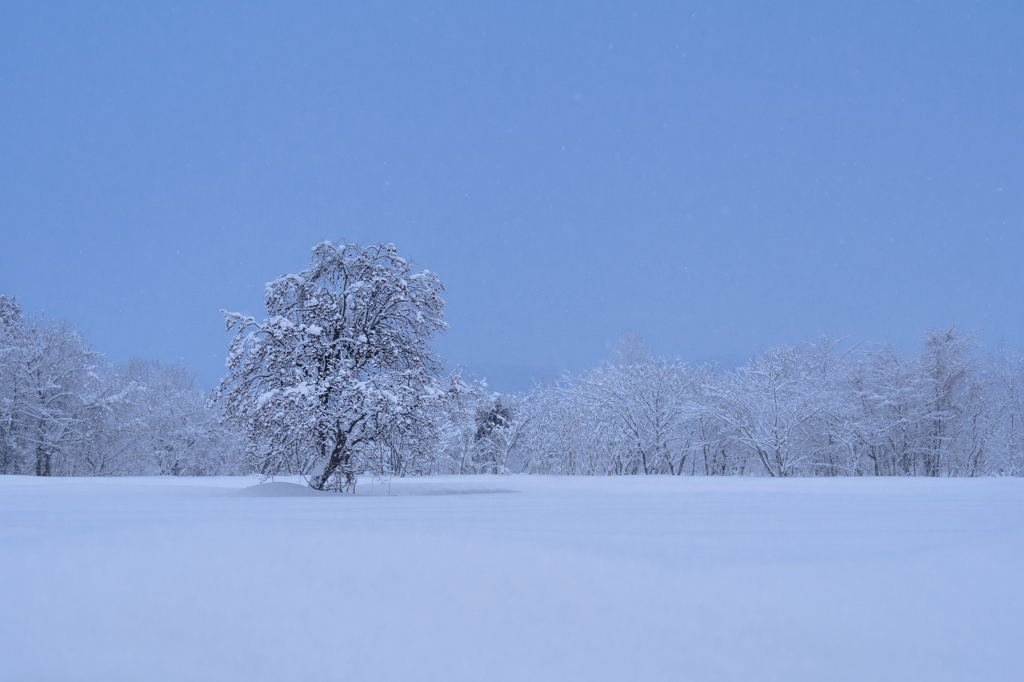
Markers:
501,421
768,405
49,381
569,436
646,398
705,436
1005,377
11,324
341,365
65,411
154,421
948,377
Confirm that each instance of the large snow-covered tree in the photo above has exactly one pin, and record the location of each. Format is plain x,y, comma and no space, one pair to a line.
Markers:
341,365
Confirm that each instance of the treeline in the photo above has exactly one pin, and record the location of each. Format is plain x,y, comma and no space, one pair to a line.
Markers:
814,410
822,409
65,411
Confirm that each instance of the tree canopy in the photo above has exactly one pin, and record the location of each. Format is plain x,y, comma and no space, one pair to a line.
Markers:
341,364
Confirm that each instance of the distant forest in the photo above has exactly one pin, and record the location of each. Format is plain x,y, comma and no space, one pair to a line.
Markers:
66,411
949,409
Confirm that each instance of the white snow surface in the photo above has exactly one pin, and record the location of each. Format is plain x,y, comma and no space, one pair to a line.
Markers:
628,578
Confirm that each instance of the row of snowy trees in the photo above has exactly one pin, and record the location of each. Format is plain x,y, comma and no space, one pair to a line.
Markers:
793,411
65,411
814,410
340,380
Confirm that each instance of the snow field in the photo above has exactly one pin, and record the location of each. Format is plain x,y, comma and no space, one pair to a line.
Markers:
456,578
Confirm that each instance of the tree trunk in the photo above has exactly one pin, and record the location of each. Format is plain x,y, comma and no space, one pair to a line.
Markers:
339,458
42,461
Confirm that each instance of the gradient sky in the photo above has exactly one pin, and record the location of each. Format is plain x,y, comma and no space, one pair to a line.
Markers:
721,177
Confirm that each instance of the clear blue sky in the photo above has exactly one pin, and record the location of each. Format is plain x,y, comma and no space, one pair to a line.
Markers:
721,177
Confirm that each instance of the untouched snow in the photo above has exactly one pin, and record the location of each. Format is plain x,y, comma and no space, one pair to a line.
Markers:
563,579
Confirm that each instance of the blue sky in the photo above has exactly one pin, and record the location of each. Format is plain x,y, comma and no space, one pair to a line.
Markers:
721,177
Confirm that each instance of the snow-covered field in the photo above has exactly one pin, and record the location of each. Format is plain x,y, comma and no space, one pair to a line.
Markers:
513,578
